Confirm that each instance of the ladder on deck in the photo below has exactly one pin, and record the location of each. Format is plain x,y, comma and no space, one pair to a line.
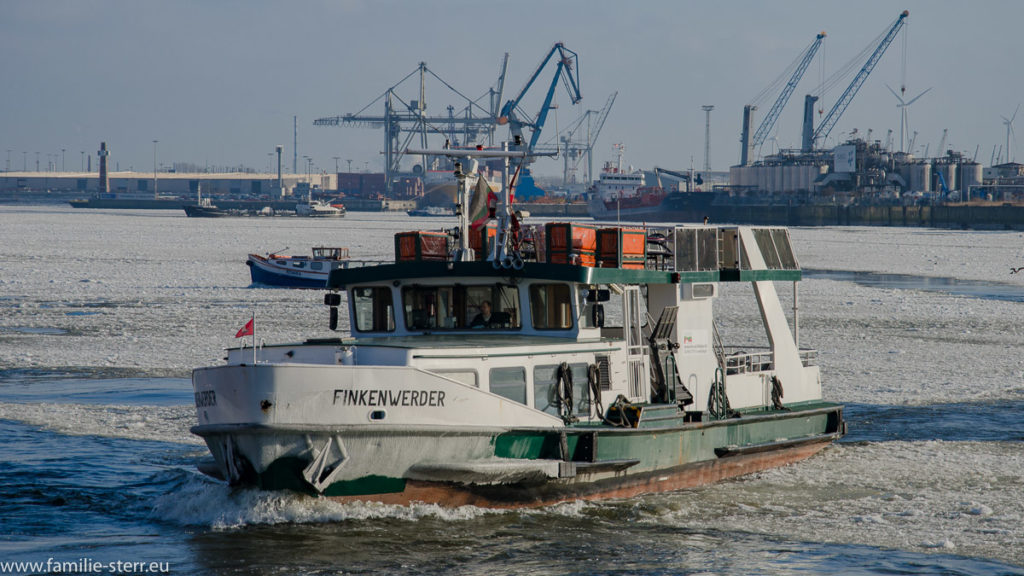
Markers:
662,350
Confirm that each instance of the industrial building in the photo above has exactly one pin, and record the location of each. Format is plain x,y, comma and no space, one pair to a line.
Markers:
164,183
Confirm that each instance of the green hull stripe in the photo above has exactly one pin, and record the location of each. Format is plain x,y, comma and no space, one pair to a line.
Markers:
366,485
286,474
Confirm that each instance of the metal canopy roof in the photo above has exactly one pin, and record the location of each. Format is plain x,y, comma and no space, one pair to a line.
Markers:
421,270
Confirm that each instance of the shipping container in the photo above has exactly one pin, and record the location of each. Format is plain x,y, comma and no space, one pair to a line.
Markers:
349,181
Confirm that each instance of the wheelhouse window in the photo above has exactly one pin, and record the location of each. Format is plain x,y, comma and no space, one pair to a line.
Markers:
374,311
551,306
461,307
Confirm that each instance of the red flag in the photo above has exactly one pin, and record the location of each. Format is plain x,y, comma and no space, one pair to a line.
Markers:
245,330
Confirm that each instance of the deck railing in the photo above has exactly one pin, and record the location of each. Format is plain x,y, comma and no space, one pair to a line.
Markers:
742,362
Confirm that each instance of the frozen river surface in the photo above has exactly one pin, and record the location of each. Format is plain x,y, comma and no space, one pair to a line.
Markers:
103,314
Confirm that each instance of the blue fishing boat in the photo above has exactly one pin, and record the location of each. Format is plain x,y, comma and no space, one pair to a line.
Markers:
297,271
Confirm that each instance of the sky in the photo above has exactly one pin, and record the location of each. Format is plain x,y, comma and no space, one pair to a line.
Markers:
218,82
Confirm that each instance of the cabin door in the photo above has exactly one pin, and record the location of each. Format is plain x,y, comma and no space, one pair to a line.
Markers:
636,352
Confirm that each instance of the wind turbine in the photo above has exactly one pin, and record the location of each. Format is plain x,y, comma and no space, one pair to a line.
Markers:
904,128
1009,132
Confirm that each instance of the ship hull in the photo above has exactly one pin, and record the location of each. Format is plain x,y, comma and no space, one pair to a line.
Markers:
130,203
658,481
676,207
261,271
520,467
399,435
196,211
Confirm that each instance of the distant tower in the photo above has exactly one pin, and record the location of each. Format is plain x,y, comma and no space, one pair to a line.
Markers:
104,177
295,144
807,133
707,136
280,182
748,119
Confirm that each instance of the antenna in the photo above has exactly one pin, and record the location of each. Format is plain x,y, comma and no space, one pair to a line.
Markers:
1009,132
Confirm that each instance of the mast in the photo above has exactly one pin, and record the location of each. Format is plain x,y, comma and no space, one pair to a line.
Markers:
503,254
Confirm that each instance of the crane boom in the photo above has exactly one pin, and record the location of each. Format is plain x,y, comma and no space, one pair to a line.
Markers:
497,93
840,106
566,70
773,115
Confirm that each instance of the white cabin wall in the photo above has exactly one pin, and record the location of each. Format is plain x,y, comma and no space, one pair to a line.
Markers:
786,357
694,333
752,390
809,389
381,356
785,354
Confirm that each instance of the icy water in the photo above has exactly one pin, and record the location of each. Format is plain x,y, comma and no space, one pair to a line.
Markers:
103,315
973,288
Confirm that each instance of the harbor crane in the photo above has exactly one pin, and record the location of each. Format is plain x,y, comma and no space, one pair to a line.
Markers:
567,71
811,139
578,139
401,117
803,61
512,113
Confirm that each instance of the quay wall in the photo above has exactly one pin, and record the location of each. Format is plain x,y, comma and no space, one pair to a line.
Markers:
998,217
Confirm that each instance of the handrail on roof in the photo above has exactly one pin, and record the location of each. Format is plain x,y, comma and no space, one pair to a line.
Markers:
640,254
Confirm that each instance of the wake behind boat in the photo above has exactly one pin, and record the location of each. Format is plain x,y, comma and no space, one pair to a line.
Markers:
585,368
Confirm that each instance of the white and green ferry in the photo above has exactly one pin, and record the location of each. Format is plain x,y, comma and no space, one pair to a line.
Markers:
585,382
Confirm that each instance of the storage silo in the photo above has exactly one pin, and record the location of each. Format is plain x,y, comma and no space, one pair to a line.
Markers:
750,176
796,184
948,172
970,177
920,177
777,172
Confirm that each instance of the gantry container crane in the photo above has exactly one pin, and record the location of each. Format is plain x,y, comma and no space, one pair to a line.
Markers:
473,123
